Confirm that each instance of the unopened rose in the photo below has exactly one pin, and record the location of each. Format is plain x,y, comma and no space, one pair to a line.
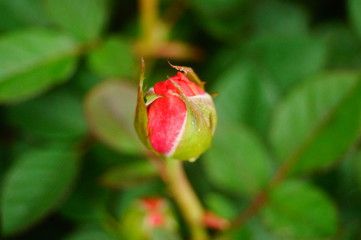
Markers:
146,217
176,118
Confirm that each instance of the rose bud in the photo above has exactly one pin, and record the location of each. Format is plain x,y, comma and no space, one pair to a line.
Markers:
176,118
145,218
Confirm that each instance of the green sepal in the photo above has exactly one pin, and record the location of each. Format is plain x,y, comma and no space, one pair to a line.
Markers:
141,116
190,74
149,98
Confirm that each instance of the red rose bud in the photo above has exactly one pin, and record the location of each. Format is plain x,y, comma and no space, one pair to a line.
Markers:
154,208
145,217
176,118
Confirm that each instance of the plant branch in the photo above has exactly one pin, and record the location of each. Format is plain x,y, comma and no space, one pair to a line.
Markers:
261,198
154,42
148,18
185,198
250,211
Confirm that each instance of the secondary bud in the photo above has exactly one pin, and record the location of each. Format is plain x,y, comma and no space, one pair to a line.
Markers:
176,118
145,218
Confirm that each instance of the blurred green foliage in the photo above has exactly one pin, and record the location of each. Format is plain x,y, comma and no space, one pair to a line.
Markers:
289,107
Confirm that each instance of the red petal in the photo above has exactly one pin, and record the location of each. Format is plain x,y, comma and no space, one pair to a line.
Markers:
155,219
166,116
152,203
189,88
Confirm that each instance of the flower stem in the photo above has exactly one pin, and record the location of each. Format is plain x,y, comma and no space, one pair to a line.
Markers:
186,199
149,18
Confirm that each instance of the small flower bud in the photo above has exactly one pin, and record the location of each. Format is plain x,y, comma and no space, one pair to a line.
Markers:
176,118
146,217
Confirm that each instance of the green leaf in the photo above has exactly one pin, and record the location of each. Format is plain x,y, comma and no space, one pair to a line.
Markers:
84,19
297,210
86,204
245,168
114,58
354,9
32,61
125,176
88,201
246,95
349,181
3,163
19,13
35,184
342,44
226,27
55,115
259,231
214,7
161,234
287,59
127,199
85,80
90,233
358,169
221,205
280,18
241,233
109,110
318,121
220,18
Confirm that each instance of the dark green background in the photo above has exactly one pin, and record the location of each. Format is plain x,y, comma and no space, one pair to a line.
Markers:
289,84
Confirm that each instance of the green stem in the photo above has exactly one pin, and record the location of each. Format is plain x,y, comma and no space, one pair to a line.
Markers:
186,199
149,16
